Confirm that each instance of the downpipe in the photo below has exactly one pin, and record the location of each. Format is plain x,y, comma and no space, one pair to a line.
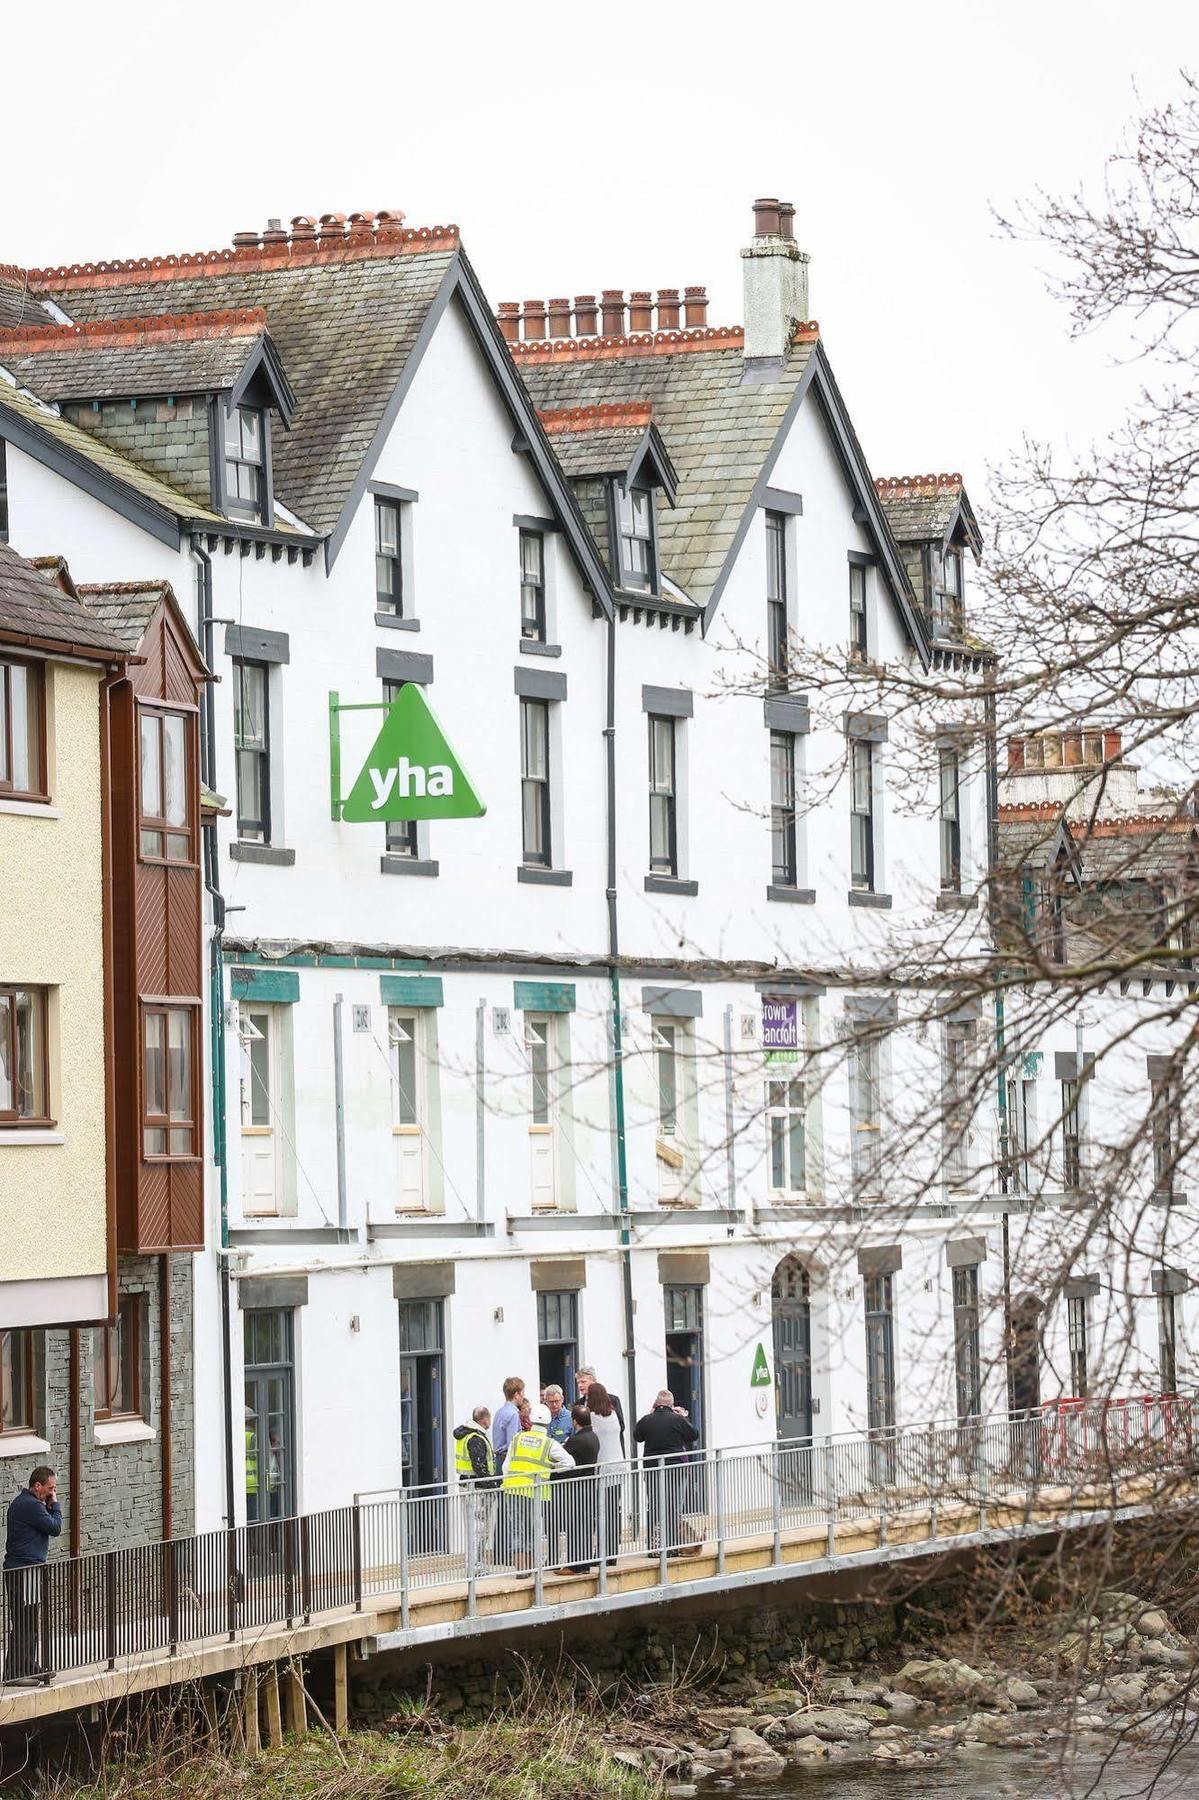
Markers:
622,1167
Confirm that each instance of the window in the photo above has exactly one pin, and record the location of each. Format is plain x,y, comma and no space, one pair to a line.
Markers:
117,1363
1071,1135
1163,1118
663,798
1021,1115
865,1106
406,1036
16,1381
268,1339
245,463
948,612
879,1299
857,611
783,847
168,1092
260,1028
165,784
389,574
401,836
22,731
532,587
537,1040
1077,1321
1167,1343
635,519
861,820
958,1101
1051,912
966,1351
666,1059
786,1120
252,746
3,492
558,1341
542,1048
536,844
776,600
24,1071
951,822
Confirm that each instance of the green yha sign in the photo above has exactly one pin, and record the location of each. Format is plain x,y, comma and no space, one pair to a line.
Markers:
411,773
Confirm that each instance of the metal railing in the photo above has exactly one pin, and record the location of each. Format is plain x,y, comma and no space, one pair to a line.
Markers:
155,1599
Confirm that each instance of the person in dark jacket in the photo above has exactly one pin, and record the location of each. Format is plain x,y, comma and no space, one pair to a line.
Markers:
579,1491
665,1436
34,1517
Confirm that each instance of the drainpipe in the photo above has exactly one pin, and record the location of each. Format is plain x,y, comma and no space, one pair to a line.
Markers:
622,1167
480,1113
75,1402
990,751
108,978
339,1111
216,1004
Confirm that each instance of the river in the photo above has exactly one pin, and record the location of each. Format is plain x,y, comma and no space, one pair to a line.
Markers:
983,1774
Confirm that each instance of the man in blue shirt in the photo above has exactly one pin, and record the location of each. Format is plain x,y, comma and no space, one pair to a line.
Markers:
560,1422
34,1517
506,1423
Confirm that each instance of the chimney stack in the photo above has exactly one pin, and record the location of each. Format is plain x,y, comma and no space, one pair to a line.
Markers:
775,274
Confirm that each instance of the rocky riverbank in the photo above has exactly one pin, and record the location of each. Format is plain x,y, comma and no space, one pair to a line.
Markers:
1124,1674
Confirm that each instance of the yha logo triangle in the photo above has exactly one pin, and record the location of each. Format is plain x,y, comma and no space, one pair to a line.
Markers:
411,773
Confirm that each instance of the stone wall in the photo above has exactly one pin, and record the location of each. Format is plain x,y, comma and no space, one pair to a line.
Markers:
120,1485
170,438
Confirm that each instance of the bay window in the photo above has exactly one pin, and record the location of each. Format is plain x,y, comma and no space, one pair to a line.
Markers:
165,822
168,1080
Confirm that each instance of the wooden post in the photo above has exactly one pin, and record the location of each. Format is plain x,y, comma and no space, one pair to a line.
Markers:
249,1711
297,1708
274,1716
210,1718
341,1689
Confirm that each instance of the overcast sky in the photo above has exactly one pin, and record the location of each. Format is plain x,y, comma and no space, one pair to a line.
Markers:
625,153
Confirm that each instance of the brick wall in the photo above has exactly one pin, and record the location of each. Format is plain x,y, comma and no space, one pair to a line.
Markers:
120,1485
168,438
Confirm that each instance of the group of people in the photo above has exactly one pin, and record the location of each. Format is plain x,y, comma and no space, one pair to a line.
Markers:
541,1468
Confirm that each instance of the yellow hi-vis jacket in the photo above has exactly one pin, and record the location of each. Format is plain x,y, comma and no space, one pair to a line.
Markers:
527,1469
251,1461
462,1462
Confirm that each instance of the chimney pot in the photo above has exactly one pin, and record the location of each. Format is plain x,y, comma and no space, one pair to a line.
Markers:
695,306
586,316
333,225
613,307
394,217
246,240
509,318
787,221
1015,753
1113,746
559,326
274,233
668,309
766,218
534,320
361,222
303,227
641,310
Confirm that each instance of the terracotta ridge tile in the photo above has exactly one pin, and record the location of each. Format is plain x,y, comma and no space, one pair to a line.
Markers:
244,259
642,343
916,487
1050,812
94,334
611,416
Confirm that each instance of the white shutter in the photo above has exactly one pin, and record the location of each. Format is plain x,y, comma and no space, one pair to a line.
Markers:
258,1180
543,1163
410,1169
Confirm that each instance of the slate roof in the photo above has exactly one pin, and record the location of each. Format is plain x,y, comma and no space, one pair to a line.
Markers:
125,608
921,508
596,452
717,430
142,365
17,305
34,609
344,331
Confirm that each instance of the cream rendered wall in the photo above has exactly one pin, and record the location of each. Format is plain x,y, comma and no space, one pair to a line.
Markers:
52,1194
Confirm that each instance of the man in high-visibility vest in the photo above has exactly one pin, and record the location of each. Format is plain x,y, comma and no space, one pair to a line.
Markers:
532,1457
474,1460
251,1466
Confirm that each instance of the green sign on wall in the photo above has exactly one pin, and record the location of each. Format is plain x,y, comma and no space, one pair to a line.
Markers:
411,772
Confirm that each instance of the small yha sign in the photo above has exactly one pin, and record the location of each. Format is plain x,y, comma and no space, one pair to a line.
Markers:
780,1025
411,772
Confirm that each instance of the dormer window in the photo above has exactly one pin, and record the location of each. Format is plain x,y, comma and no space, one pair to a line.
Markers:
635,518
948,593
245,464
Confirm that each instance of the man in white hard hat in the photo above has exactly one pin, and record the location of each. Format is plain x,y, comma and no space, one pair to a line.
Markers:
531,1458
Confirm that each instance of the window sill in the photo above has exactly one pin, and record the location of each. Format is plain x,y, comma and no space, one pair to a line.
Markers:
531,647
408,865
671,884
858,897
393,622
30,1135
270,854
109,1432
793,896
948,901
23,1444
30,809
536,877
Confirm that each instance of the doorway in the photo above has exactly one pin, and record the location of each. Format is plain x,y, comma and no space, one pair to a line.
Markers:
422,1394
268,1342
880,1375
558,1341
791,1311
683,1308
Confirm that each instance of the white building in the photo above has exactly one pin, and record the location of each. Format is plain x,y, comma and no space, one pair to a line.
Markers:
595,552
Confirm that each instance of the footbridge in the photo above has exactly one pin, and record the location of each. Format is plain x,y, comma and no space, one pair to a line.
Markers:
402,1569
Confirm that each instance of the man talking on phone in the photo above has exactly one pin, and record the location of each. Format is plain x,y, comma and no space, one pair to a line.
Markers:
34,1517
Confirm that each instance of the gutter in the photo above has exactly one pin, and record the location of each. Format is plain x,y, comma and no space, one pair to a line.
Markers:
622,1167
216,1005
